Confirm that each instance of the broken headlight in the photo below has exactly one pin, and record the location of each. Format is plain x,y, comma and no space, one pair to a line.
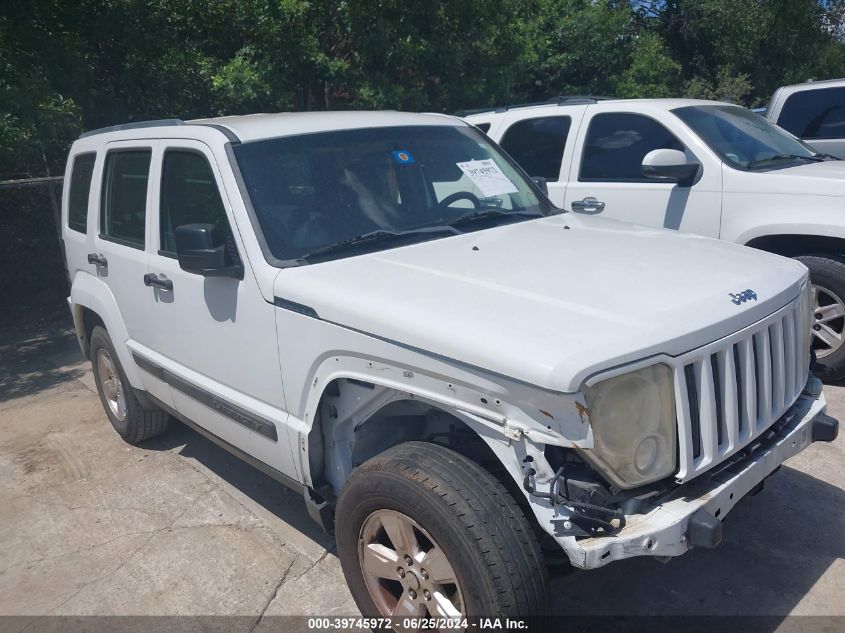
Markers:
634,428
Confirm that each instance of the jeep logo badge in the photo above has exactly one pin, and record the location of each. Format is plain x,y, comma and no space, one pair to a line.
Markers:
742,297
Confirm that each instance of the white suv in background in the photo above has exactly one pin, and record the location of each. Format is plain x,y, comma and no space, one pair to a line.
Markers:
703,167
380,311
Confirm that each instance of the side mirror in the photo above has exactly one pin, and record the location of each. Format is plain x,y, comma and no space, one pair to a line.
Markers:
671,165
541,182
197,253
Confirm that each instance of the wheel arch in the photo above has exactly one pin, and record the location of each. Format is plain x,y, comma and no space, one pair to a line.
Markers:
358,420
92,303
793,245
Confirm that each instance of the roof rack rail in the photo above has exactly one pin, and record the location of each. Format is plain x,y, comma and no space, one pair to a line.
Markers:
133,126
559,100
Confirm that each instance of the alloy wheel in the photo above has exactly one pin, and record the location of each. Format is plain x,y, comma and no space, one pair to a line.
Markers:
406,572
111,384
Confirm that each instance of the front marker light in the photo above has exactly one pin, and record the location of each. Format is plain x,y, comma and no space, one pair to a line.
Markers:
634,425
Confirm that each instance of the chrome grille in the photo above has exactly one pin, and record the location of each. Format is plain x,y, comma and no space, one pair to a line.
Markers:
729,392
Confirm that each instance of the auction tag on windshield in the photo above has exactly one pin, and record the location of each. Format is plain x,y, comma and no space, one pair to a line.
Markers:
486,175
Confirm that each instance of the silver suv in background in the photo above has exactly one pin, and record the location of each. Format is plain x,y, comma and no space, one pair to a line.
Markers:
813,111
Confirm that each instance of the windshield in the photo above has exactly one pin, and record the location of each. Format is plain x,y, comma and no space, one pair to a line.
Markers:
744,139
314,195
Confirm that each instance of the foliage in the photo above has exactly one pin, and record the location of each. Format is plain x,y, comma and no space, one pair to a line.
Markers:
69,66
651,71
727,86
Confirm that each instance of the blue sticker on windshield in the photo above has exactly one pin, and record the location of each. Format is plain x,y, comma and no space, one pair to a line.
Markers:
402,157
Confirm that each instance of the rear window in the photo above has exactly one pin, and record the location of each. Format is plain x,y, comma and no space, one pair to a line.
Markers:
818,114
80,188
537,144
124,205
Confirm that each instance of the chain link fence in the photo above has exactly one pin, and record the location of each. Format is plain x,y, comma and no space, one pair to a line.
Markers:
33,279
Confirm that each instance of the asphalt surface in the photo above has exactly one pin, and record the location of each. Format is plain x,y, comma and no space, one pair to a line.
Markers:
92,526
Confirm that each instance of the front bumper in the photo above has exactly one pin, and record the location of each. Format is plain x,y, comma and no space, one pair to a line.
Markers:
690,515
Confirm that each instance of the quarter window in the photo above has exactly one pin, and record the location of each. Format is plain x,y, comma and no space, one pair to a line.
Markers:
189,195
124,207
815,113
80,188
617,143
537,144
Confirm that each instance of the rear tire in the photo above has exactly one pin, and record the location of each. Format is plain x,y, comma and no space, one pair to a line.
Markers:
456,513
827,275
133,422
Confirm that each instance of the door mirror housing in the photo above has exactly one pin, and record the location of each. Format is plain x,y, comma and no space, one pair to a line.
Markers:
671,165
542,183
200,253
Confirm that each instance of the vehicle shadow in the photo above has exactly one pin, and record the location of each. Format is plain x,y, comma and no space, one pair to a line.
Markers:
284,503
820,367
776,546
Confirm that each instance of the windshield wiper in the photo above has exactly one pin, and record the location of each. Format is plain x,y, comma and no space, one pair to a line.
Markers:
814,158
491,213
375,236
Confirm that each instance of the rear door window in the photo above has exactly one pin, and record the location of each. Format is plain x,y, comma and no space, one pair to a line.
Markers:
815,114
537,144
80,188
616,144
124,203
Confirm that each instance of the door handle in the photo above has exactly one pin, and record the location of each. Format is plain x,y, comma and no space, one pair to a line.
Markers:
99,260
588,205
151,279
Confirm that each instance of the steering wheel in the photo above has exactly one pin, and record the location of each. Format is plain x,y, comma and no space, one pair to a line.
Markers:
459,195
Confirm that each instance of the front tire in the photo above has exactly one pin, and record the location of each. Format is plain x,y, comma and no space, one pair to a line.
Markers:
133,422
424,532
827,276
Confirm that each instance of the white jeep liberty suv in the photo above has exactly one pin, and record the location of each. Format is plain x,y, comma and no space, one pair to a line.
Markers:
382,311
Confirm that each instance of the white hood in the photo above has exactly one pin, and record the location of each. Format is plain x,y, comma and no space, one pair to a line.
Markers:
548,305
824,179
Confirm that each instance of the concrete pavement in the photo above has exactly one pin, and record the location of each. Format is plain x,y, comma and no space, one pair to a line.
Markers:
92,526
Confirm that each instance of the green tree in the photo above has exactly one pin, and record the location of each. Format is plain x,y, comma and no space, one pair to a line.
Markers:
69,66
764,42
576,47
651,71
728,86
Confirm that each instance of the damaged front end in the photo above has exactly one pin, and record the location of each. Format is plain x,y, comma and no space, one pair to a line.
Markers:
596,523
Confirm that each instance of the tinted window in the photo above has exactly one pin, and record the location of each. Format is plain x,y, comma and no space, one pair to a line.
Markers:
124,205
744,139
311,191
815,113
80,187
537,144
617,143
484,127
189,195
